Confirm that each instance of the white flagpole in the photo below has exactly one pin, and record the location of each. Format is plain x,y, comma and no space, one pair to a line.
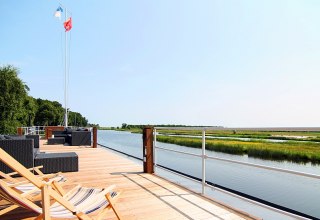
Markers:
65,78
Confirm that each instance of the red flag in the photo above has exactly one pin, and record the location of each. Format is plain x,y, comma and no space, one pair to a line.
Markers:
68,24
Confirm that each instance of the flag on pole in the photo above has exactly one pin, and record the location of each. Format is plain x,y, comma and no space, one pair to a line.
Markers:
58,12
68,24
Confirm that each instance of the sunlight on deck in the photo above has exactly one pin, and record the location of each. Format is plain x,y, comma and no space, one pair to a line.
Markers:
143,196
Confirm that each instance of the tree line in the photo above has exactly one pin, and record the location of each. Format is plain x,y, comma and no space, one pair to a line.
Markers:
18,109
128,126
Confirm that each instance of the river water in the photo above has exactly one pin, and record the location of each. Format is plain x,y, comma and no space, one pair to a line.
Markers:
295,192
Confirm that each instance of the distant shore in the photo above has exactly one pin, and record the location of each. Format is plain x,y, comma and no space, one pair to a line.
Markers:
298,147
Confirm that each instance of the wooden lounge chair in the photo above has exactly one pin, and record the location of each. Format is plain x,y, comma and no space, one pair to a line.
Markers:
78,202
25,187
27,190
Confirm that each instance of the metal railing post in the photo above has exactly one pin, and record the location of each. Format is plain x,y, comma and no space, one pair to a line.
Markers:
203,161
154,149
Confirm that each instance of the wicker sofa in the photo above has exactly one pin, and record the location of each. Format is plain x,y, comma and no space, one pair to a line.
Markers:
25,149
74,137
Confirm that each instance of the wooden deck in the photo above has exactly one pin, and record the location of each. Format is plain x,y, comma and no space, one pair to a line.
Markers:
143,196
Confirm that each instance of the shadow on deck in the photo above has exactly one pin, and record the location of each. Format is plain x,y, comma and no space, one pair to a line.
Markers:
144,196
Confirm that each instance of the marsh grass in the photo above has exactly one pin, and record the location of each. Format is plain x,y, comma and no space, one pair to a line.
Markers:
276,135
300,152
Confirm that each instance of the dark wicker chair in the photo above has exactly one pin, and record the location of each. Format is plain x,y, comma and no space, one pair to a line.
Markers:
36,140
80,138
21,149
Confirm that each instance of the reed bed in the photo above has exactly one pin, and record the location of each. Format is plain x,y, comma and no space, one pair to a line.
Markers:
275,135
300,152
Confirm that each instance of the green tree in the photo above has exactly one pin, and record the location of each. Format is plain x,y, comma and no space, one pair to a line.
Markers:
59,112
12,96
49,113
124,126
30,109
19,109
76,119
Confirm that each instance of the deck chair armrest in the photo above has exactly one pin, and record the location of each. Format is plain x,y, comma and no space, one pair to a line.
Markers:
8,176
30,169
26,181
18,183
46,177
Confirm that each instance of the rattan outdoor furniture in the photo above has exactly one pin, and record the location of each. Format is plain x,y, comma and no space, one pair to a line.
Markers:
36,140
80,138
57,162
21,149
72,137
56,140
24,151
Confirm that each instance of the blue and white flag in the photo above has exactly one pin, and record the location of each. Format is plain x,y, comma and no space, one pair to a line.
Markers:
58,12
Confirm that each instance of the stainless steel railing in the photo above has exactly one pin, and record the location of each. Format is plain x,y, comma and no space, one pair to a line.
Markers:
205,157
39,130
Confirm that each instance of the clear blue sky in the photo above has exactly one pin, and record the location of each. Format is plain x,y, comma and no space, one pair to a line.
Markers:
208,62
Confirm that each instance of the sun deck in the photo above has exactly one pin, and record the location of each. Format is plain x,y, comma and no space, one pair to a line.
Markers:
143,196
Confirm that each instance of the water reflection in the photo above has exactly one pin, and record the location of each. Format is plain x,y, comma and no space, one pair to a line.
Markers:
295,192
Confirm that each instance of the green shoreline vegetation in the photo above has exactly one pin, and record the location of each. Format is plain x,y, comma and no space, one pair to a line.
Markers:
300,152
275,135
299,147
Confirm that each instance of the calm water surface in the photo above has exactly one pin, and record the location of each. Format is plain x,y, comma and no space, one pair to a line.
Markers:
295,192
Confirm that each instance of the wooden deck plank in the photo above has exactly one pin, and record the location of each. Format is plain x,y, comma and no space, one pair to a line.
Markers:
144,196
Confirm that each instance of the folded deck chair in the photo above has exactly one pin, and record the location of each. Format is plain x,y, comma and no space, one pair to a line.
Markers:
78,202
